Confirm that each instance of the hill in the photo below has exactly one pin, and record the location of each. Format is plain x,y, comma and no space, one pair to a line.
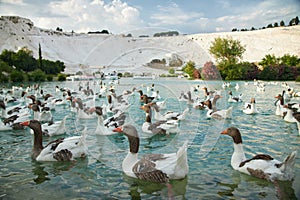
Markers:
90,52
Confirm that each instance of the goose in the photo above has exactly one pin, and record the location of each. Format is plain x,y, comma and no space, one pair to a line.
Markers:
183,97
288,115
162,105
296,115
163,127
62,149
260,87
159,168
101,129
234,99
250,108
116,120
262,165
83,112
279,103
208,94
54,128
19,110
237,86
212,111
4,126
155,95
169,114
43,116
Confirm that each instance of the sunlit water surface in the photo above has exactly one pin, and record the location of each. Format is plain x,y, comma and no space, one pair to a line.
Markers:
99,176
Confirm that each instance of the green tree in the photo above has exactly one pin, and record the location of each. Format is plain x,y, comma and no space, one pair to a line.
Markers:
171,71
40,57
289,60
282,23
227,50
189,68
7,56
23,60
268,60
297,20
276,24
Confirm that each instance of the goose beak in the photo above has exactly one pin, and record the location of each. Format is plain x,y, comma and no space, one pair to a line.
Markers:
25,123
91,110
118,129
224,132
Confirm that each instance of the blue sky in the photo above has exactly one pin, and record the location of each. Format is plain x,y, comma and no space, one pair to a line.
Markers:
123,16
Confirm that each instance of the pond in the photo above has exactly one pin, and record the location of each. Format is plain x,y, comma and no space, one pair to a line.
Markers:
99,175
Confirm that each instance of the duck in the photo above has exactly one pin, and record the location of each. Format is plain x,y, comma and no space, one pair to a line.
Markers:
212,111
62,149
250,108
162,127
159,168
234,99
262,165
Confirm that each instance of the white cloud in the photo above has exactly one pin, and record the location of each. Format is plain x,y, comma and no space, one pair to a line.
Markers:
85,15
15,2
172,15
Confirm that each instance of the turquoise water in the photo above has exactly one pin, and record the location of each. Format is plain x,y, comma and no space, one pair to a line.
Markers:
99,176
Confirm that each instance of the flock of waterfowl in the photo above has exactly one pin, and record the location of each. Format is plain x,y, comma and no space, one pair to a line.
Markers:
32,107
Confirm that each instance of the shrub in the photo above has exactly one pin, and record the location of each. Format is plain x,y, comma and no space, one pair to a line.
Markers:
16,76
61,77
210,72
38,76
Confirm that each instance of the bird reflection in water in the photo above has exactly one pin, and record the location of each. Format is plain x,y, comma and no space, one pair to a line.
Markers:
175,189
282,189
45,169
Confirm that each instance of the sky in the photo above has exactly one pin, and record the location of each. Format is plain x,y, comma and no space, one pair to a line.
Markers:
125,16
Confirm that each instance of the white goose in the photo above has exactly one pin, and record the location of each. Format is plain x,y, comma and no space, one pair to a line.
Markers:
262,165
62,149
212,111
158,168
288,116
43,116
250,108
279,105
104,127
162,127
54,128
234,99
169,114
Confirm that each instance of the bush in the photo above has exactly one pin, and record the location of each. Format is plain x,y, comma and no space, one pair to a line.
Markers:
298,79
38,76
61,77
49,78
16,76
